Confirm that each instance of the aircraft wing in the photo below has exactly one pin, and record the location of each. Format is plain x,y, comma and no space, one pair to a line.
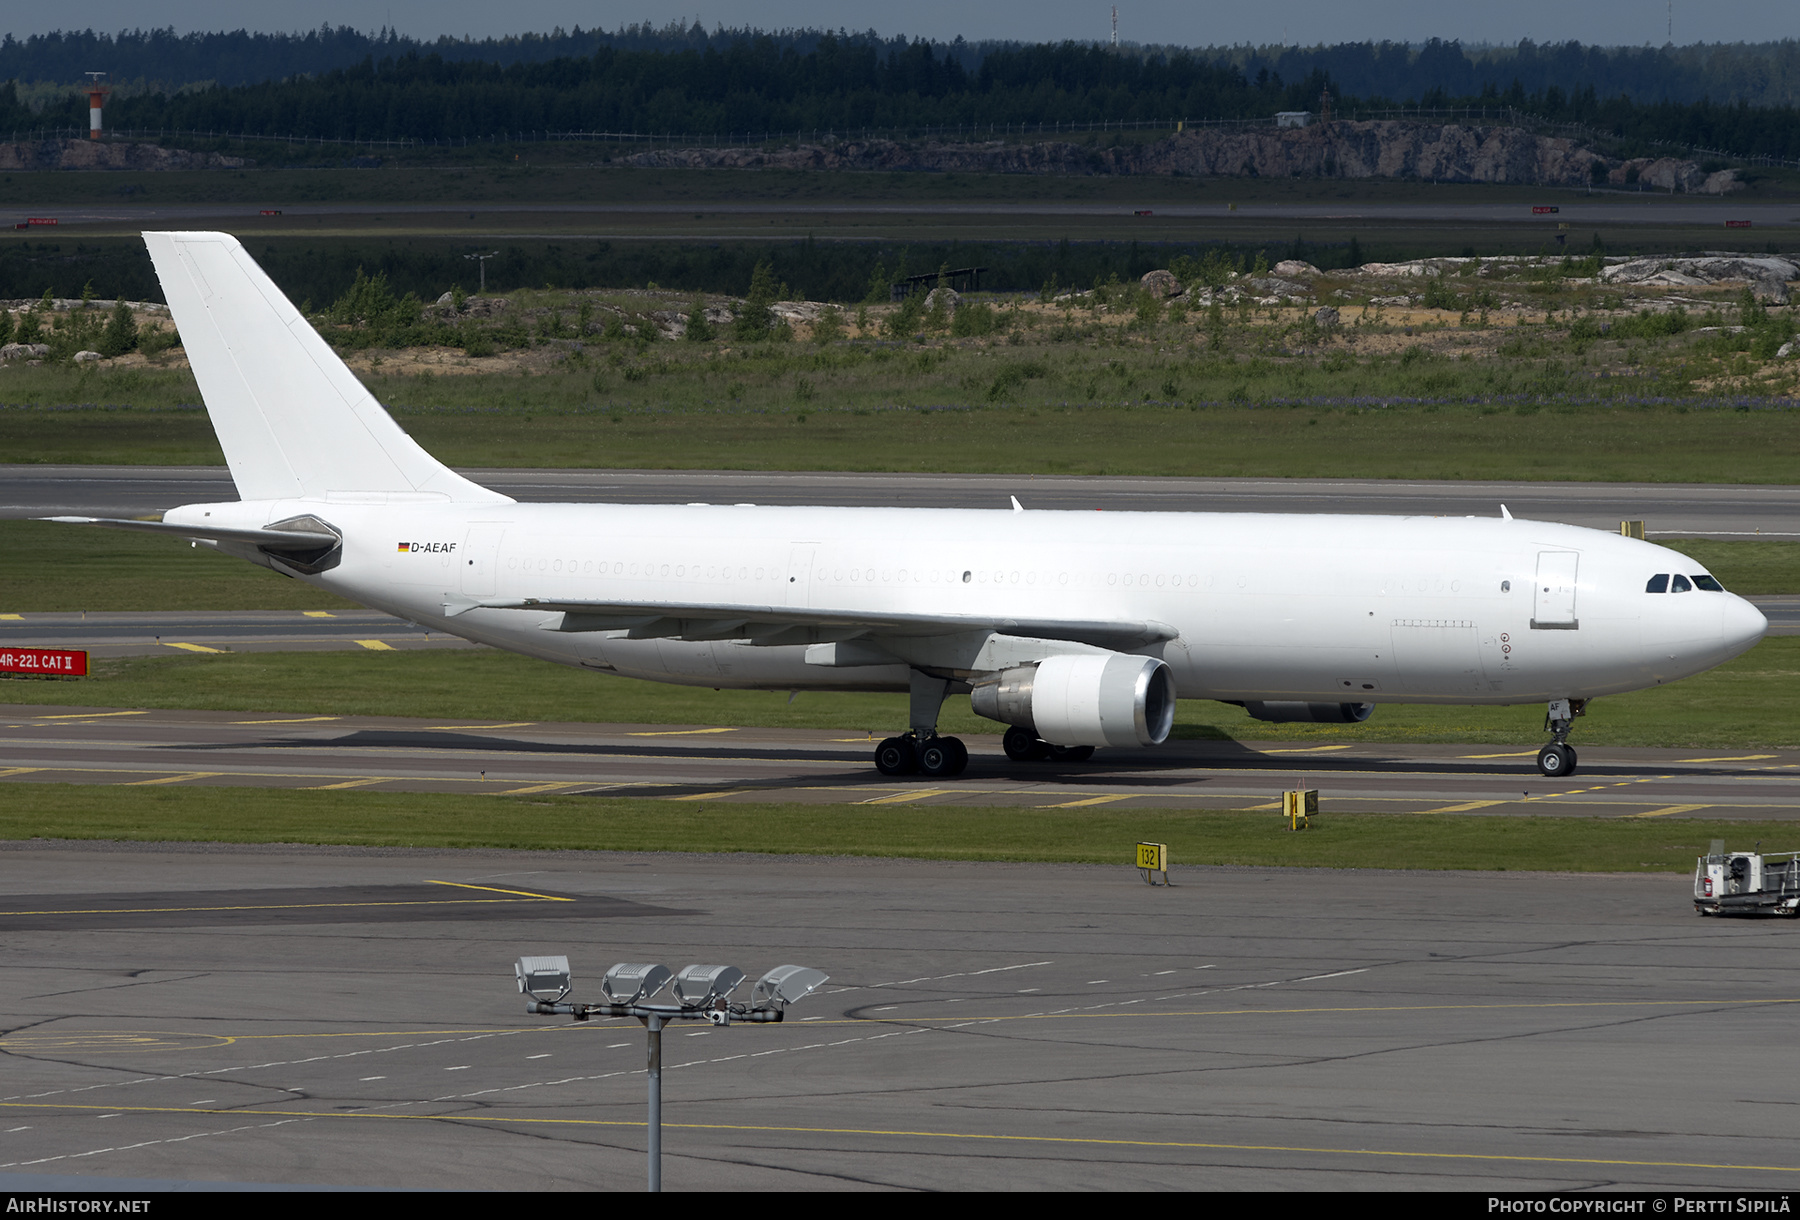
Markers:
800,624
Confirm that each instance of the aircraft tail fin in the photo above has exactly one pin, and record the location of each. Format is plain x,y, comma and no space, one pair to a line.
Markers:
294,421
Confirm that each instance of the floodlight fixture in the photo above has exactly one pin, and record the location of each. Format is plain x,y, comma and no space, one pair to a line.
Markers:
631,983
702,993
706,986
785,985
545,979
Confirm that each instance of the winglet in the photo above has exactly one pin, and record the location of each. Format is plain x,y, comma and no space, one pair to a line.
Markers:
1017,507
1504,514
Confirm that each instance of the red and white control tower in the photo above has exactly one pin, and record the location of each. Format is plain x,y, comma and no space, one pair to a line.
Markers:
96,100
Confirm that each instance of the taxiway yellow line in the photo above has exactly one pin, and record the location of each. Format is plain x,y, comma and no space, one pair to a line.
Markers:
900,798
1659,813
494,889
191,647
290,720
682,733
1519,754
1738,758
550,787
1463,808
1093,800
1307,750
173,779
376,646
349,783
88,715
709,796
318,614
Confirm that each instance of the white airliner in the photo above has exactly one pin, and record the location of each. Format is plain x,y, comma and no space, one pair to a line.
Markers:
1078,629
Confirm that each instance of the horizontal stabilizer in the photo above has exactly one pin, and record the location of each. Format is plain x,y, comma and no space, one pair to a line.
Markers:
268,539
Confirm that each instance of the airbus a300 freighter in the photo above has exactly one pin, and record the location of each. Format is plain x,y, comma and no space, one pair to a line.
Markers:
1077,629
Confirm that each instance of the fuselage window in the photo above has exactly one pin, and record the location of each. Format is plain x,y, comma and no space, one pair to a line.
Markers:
1681,585
1703,581
1658,583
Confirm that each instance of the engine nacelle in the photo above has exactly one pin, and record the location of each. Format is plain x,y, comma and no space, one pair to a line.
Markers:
1095,699
1310,713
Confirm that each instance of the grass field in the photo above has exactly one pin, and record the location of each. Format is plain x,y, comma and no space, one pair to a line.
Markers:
1746,703
1593,442
56,811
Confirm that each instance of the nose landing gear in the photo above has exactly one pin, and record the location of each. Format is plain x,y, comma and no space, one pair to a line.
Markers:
1558,758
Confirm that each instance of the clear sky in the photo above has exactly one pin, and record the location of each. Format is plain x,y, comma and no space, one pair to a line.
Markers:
1607,22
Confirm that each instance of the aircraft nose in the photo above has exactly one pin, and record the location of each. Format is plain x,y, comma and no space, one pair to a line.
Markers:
1742,625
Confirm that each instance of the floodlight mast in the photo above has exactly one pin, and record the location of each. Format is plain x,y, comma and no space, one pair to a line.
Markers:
705,995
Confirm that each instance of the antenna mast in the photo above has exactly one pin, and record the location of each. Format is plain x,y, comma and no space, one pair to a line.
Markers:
1115,37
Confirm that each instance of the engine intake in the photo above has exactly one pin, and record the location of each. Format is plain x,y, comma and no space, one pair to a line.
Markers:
1103,699
1310,713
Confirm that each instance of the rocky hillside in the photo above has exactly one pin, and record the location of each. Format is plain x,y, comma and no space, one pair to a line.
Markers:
108,154
1386,149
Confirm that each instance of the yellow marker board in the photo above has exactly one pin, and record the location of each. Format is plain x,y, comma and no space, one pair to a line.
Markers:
1299,807
1153,858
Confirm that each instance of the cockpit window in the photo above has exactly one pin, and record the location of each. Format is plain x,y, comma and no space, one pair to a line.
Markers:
1681,585
1711,585
1658,583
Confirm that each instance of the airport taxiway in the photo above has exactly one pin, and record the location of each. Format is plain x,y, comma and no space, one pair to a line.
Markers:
1667,509
317,1016
746,765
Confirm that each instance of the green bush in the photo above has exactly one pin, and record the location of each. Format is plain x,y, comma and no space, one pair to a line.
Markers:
974,319
121,333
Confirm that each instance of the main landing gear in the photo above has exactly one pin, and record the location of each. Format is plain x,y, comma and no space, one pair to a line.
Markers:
920,750
907,754
1558,758
1022,745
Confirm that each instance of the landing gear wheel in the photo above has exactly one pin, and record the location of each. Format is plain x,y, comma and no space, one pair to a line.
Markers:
1071,753
1556,761
942,757
1020,744
897,756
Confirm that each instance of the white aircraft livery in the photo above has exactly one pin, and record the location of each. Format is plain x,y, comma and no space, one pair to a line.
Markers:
1077,629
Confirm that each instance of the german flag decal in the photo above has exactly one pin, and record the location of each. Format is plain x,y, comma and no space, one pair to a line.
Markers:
405,547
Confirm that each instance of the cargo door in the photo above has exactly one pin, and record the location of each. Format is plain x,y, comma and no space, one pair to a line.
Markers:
1553,605
799,574
1436,656
481,560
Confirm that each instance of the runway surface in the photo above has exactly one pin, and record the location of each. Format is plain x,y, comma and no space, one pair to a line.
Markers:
1667,509
719,763
1605,207
326,1016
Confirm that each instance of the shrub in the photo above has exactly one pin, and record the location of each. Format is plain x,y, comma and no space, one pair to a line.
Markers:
121,333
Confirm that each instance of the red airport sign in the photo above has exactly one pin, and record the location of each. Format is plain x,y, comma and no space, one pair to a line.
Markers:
1542,210
44,662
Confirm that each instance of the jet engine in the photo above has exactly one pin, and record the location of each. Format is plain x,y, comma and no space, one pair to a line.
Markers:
1310,713
1094,699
